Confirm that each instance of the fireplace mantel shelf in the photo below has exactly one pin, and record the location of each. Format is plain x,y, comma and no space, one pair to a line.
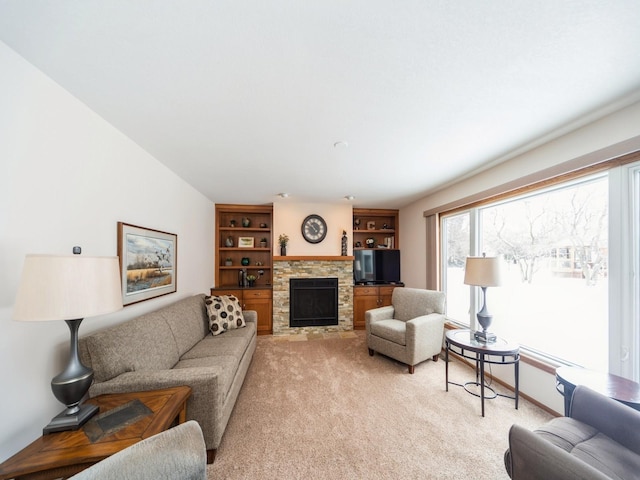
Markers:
326,258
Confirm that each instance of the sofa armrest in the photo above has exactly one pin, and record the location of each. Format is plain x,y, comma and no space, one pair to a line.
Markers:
250,316
617,421
175,453
531,457
205,405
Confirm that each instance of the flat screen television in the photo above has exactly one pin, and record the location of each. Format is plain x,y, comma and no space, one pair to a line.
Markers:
376,266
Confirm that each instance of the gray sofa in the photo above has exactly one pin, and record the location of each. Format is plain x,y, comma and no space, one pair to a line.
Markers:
600,439
173,346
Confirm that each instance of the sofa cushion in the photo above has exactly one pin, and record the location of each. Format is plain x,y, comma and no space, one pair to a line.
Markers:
393,330
233,342
225,313
143,343
188,321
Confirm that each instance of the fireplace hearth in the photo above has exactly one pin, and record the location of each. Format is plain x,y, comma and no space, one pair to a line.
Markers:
313,302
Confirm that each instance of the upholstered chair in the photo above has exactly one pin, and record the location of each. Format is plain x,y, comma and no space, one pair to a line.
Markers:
410,329
179,452
598,440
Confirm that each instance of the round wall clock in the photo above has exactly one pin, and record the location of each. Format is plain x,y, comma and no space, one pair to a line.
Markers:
314,229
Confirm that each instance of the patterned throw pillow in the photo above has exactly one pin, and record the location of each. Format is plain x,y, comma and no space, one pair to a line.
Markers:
224,312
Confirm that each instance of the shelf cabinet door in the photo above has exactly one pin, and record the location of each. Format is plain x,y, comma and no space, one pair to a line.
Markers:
364,298
368,298
260,301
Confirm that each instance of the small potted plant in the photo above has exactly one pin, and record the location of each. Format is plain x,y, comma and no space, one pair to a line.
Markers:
228,262
263,242
283,239
251,280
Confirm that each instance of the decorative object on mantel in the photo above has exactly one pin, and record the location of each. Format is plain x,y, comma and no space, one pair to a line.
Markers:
69,288
246,222
283,239
229,241
344,243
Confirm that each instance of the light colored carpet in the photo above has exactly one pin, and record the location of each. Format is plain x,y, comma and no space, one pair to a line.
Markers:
324,409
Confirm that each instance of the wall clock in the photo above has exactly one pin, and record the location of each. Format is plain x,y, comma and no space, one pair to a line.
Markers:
314,229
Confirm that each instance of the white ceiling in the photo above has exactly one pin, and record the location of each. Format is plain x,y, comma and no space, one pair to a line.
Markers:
246,98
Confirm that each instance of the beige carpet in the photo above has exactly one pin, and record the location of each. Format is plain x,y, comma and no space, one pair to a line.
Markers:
324,409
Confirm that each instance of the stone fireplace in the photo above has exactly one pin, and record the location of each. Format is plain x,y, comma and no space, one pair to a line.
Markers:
329,267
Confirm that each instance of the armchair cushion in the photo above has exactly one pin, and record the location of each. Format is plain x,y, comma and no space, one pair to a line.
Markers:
393,330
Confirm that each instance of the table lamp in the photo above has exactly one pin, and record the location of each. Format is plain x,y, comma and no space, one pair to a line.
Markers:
69,288
483,272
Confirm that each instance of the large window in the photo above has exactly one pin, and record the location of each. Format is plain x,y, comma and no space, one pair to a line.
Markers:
554,245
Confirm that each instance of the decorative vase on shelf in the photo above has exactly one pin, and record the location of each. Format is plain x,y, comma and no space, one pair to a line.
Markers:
229,241
246,222
344,243
245,261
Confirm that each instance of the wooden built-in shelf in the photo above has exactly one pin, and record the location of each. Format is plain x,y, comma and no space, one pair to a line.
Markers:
310,258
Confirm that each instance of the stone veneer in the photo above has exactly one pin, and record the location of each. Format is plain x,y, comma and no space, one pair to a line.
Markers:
298,267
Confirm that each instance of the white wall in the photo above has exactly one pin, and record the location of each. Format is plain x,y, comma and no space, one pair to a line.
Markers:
611,136
66,178
288,216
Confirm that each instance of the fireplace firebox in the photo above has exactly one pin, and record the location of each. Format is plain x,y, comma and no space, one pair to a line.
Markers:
313,302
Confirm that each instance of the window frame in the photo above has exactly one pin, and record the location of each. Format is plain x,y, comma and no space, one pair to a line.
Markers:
624,233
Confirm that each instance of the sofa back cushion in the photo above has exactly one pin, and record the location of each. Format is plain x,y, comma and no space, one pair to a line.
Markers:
187,319
143,343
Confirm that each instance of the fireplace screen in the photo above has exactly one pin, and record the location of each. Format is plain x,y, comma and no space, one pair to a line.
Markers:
313,302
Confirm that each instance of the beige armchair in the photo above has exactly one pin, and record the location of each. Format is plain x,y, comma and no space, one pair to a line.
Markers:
410,329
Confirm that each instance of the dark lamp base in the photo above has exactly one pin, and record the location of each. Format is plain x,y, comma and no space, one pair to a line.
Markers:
485,337
63,422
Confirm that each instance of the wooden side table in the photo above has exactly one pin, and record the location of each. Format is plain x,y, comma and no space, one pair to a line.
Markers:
123,419
619,388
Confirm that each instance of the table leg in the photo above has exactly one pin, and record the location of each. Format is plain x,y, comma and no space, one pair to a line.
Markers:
182,416
517,380
446,366
481,355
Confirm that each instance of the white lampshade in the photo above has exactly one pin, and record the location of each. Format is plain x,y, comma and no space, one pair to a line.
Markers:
67,287
483,271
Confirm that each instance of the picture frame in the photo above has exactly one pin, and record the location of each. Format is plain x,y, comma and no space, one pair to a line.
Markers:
245,242
148,263
371,225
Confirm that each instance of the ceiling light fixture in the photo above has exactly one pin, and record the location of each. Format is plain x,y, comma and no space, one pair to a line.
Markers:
283,195
341,144
349,197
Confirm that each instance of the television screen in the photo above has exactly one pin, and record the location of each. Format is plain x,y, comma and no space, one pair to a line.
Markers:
376,266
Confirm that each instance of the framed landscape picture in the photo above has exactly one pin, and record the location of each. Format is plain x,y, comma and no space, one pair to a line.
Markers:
148,262
245,242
